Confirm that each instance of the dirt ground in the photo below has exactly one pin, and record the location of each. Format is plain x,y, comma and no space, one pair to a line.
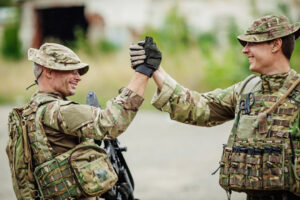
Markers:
168,160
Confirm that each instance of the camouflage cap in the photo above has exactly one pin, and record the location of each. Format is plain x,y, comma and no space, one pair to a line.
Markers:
268,28
57,57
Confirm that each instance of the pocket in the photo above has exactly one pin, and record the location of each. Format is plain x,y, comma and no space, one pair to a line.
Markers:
224,166
238,167
93,170
246,128
254,168
273,165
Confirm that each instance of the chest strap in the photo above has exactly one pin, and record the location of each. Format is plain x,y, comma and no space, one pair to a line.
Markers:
262,117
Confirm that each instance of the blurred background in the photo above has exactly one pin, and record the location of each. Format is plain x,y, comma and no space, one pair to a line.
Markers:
200,50
197,39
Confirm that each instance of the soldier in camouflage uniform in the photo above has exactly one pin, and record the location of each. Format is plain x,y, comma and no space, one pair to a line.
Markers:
58,71
261,157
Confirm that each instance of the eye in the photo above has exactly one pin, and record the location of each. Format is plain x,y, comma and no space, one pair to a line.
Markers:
75,72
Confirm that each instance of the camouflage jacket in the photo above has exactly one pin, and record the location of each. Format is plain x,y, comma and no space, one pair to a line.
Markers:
211,108
66,123
258,155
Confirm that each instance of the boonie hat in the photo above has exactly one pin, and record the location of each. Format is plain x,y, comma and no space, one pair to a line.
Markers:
268,28
57,57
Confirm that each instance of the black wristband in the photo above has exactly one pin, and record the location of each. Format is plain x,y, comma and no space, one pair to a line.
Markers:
144,70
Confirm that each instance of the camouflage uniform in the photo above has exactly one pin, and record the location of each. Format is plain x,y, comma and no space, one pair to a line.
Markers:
65,123
243,171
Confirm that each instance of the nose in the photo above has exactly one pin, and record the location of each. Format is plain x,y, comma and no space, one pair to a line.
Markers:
77,75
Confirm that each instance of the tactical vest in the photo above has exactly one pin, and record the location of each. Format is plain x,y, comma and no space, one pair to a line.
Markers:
260,157
65,176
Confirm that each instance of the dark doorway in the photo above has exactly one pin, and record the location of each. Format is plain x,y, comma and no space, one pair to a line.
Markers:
59,23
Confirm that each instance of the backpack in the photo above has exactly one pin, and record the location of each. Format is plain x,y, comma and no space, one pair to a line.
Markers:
19,156
84,170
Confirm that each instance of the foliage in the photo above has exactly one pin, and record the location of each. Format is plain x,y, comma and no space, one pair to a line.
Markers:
11,44
174,35
206,42
81,43
4,3
106,46
295,59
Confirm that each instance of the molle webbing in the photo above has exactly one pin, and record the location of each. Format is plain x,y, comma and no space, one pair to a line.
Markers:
241,169
266,98
283,97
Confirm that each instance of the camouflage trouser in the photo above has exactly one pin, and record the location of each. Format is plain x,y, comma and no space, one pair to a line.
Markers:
275,195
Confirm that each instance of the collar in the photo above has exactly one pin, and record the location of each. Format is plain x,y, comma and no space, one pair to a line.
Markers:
56,95
272,83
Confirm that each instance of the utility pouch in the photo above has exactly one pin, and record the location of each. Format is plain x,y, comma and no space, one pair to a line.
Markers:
246,128
238,166
273,167
93,171
82,171
254,168
224,166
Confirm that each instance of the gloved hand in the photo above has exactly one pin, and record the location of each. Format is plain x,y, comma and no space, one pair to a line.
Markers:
145,57
137,54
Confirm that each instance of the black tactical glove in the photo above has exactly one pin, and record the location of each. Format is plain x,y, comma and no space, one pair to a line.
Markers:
145,57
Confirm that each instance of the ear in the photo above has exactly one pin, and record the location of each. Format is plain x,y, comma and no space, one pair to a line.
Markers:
48,73
276,45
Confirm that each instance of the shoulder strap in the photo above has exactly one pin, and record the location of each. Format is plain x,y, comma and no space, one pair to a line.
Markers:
250,84
40,133
280,100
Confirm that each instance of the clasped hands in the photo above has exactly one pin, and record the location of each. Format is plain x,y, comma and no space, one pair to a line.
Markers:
145,57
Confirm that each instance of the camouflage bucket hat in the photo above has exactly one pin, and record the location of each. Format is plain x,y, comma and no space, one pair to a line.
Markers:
57,57
268,28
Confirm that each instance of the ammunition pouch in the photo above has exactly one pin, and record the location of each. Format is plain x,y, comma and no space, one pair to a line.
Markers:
84,171
247,167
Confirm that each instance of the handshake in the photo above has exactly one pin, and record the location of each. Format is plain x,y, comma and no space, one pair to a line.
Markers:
145,57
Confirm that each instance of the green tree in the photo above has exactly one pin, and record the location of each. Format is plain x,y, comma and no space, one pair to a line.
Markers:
11,44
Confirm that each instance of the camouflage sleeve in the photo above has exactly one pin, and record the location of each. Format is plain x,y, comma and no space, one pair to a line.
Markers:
184,105
90,122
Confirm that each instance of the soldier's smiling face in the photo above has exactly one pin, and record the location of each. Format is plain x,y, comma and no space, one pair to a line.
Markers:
260,56
65,82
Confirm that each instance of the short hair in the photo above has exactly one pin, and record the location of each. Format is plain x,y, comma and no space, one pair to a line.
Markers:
288,45
37,70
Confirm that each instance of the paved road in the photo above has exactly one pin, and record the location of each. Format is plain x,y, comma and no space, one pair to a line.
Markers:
169,160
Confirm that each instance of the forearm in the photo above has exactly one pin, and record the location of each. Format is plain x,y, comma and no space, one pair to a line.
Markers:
159,77
116,117
191,107
138,83
91,122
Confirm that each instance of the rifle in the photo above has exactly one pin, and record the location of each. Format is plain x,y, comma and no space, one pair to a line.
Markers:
123,189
